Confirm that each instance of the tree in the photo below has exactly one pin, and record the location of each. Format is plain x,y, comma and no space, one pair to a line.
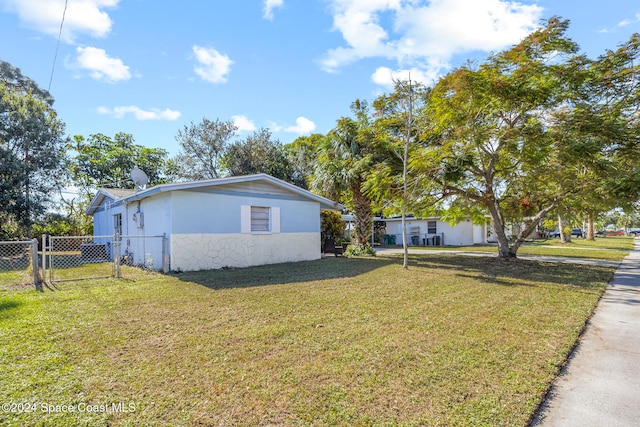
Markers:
258,153
202,147
102,161
599,121
301,155
396,130
32,149
492,139
331,225
344,161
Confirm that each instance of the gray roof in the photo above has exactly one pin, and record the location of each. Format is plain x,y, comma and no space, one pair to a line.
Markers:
114,194
128,196
119,193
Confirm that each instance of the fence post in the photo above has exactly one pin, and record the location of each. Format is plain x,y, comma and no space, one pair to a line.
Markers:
116,254
35,264
44,257
165,254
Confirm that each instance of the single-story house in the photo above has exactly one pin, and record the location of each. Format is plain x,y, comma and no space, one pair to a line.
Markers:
431,231
228,222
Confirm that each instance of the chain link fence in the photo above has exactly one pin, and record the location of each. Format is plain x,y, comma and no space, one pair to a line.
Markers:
77,257
92,257
19,263
63,258
149,252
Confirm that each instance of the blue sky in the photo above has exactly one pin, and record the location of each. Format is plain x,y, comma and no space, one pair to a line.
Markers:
150,67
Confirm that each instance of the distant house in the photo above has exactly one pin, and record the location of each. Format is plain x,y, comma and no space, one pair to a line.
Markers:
435,231
228,222
431,231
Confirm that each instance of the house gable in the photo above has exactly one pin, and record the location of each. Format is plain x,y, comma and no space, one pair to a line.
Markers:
259,185
107,198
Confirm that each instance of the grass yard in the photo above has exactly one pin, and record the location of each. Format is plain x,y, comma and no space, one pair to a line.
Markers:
607,248
453,341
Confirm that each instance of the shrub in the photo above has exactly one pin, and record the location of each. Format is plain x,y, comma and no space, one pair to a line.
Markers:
359,250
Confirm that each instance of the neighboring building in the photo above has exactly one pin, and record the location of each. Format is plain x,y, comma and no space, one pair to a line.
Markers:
434,231
228,222
430,231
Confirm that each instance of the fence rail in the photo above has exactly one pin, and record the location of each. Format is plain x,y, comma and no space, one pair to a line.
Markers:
64,258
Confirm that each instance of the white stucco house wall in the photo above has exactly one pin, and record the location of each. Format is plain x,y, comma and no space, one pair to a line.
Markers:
227,222
432,230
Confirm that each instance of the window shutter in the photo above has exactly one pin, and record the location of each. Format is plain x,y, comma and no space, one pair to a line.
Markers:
275,220
245,219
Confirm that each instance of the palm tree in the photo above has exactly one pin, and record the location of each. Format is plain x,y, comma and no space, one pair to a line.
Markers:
345,158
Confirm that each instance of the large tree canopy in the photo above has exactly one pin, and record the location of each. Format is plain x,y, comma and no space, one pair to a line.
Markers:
302,154
32,149
202,146
259,153
491,144
527,131
102,161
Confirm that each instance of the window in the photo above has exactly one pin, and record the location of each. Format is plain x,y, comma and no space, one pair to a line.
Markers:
117,224
431,227
260,219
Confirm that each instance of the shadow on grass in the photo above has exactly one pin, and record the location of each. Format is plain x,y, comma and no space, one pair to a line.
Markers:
490,270
276,274
7,306
494,270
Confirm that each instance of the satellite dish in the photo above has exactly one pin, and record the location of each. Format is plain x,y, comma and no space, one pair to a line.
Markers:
140,179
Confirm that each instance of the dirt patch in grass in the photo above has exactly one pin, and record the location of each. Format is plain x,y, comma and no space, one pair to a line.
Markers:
452,341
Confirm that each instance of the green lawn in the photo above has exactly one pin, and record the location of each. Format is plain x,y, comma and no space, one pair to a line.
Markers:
607,248
452,341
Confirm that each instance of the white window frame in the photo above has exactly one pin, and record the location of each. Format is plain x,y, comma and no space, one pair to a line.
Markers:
248,220
432,225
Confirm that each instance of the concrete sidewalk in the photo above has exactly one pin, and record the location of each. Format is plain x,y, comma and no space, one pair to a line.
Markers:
600,385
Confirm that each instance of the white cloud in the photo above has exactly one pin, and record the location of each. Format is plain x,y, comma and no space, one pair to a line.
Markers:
82,16
385,76
275,127
424,35
269,5
303,126
140,114
630,21
213,66
100,65
243,123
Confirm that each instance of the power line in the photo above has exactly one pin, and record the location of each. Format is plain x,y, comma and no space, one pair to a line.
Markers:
55,57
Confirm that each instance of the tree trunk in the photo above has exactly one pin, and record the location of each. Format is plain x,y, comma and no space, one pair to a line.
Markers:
504,250
591,235
362,216
564,237
405,162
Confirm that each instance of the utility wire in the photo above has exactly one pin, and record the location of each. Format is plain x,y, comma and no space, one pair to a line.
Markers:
55,57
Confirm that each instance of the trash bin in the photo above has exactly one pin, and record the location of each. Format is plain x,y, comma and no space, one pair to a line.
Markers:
415,240
436,240
392,239
385,240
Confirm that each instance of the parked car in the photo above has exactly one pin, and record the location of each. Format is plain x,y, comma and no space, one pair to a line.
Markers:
574,232
609,233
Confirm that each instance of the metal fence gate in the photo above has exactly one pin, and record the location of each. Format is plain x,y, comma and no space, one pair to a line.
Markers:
92,257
